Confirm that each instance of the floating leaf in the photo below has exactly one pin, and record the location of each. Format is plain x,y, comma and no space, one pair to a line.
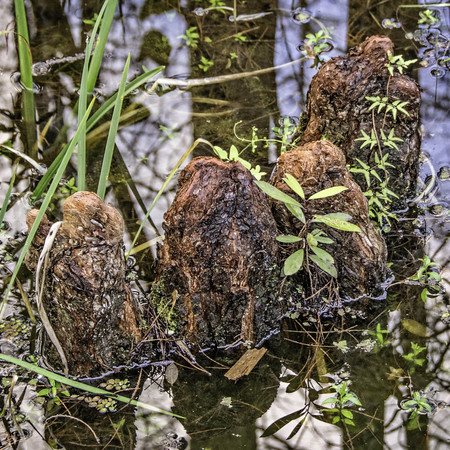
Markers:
329,192
415,327
294,185
171,373
288,239
294,262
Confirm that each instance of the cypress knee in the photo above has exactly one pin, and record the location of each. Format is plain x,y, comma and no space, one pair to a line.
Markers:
217,277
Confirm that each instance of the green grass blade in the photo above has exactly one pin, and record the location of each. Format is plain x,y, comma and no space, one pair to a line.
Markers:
139,81
45,203
109,149
97,57
82,386
7,196
163,187
26,77
130,87
82,102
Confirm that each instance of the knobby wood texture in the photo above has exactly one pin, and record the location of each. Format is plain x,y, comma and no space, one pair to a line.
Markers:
360,258
217,268
86,295
337,110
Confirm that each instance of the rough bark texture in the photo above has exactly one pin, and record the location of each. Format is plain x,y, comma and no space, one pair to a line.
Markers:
218,265
337,110
87,298
360,258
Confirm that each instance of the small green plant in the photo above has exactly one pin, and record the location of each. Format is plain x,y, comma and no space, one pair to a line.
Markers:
397,63
53,393
416,406
239,37
191,37
342,400
233,155
342,346
91,21
205,64
427,275
316,44
309,240
413,356
428,18
383,102
378,195
284,132
379,334
69,187
169,132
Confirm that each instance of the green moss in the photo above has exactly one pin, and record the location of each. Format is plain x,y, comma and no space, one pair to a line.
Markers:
163,299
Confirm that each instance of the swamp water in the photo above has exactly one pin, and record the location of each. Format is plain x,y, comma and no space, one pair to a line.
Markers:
380,384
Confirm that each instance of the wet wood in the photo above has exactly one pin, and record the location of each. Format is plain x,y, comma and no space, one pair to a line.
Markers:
86,295
360,258
337,110
245,364
217,270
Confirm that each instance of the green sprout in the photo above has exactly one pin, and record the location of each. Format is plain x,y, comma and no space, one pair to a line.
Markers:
427,275
205,64
342,400
397,63
191,37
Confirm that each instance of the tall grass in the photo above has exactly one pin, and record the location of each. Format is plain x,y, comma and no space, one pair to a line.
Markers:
93,120
89,76
109,149
25,63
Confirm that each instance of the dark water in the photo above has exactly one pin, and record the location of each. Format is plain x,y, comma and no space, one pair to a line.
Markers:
291,382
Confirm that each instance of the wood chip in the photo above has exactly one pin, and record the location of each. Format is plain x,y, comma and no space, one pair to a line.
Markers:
246,363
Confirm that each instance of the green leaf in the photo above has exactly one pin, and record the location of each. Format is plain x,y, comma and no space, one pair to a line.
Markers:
294,185
222,154
324,240
275,193
322,254
337,223
234,154
82,386
328,192
329,400
346,413
43,392
340,216
324,265
288,239
424,295
312,241
293,263
297,212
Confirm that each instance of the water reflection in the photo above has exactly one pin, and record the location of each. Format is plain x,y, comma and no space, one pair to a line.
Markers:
166,127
